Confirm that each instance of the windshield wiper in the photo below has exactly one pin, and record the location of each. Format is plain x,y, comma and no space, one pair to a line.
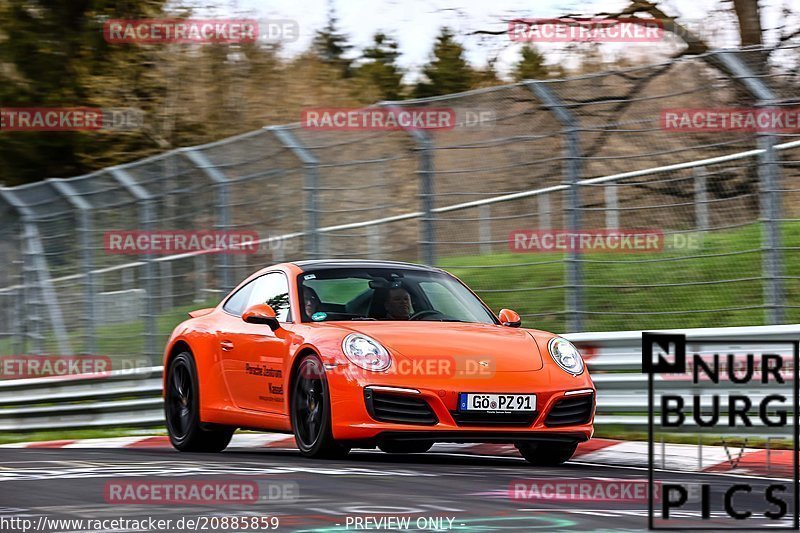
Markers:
363,318
450,320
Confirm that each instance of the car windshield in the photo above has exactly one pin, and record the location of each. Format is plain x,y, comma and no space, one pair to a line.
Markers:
387,294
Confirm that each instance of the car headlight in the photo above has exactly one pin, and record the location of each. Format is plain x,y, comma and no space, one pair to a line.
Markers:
566,355
366,353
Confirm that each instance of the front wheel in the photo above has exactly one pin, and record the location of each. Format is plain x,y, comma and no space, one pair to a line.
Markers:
311,412
546,453
182,410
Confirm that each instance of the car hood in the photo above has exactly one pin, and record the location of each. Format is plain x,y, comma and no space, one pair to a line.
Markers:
506,349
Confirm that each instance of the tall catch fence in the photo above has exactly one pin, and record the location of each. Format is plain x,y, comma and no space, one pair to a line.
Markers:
587,153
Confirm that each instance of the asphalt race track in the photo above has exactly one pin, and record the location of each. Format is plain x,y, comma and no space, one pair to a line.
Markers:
472,492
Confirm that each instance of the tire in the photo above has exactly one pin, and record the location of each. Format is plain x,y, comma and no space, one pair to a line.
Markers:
311,412
182,410
546,453
405,447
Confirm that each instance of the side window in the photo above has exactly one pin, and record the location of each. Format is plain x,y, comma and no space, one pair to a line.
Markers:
273,290
237,303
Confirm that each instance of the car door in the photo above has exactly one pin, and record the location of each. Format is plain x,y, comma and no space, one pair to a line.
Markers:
253,355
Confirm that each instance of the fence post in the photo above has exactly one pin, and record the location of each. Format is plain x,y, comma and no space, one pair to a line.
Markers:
200,267
485,229
428,240
543,203
36,274
310,187
146,217
220,181
701,199
769,181
612,206
425,170
85,228
35,251
18,311
165,271
572,170
33,318
33,304
374,241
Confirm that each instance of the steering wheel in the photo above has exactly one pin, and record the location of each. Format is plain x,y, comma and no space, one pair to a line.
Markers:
421,314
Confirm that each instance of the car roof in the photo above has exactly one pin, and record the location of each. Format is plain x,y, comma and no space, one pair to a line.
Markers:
319,264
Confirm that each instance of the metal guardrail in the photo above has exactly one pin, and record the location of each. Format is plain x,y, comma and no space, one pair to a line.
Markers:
121,398
132,398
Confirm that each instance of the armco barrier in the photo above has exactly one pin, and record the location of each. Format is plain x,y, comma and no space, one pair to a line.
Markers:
132,398
128,398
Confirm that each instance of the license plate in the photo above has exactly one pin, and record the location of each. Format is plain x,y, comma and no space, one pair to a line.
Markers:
496,402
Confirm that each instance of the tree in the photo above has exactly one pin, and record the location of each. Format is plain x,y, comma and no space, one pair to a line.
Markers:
331,46
486,76
747,13
749,17
448,71
531,65
53,54
592,59
380,68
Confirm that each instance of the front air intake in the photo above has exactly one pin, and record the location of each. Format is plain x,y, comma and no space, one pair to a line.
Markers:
571,411
399,408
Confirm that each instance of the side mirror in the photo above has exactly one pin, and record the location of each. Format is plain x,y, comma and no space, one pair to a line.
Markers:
261,314
510,318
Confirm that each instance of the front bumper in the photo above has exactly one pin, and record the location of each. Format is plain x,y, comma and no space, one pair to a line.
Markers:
352,421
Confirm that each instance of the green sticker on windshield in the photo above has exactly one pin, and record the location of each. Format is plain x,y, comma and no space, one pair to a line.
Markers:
316,317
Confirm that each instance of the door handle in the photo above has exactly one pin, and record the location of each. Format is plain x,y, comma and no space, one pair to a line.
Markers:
227,346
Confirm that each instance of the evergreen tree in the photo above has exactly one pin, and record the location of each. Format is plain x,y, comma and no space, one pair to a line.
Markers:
381,68
486,76
331,46
531,65
53,54
448,72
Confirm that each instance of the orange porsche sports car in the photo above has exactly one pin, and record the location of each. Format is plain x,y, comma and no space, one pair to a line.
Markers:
358,354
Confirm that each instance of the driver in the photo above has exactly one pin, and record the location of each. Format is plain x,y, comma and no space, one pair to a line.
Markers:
398,304
311,301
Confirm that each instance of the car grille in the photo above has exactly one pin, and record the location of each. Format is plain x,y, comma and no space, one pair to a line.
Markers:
478,418
570,411
389,407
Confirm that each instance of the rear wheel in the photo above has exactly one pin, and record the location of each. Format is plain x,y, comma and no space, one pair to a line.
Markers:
546,453
311,412
182,410
405,447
